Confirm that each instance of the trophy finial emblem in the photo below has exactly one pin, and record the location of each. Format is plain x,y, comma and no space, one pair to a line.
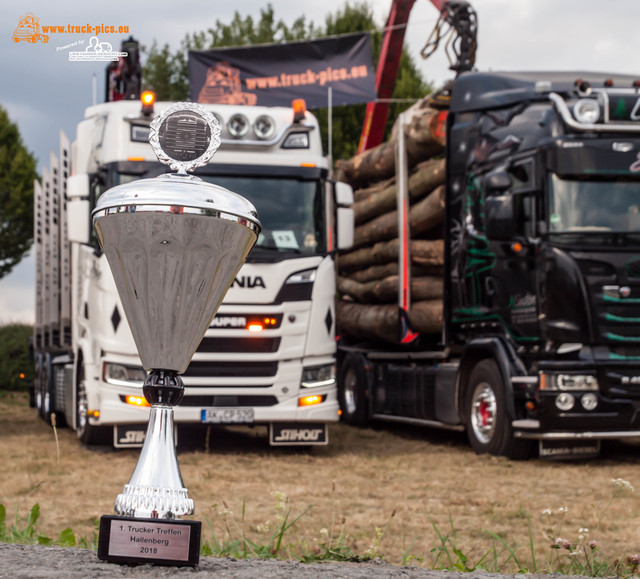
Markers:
185,136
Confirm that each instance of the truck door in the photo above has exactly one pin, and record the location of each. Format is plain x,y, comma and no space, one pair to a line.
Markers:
511,286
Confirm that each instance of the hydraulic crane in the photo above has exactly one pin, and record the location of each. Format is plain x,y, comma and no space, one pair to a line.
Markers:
462,26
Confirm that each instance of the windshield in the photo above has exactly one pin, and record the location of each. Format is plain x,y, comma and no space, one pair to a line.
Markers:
291,211
594,205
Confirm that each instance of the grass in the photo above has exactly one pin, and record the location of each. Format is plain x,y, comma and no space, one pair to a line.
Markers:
273,539
409,498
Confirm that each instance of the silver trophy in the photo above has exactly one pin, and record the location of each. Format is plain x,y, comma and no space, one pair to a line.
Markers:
174,245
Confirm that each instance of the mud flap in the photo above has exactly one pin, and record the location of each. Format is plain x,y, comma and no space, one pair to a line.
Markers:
298,434
569,449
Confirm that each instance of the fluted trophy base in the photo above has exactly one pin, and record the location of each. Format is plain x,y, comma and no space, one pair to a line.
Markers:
146,529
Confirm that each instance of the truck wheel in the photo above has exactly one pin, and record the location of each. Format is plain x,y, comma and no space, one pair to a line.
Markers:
87,433
50,403
37,387
352,388
488,425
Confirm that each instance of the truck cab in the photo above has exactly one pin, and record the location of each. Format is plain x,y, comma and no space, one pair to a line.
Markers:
268,357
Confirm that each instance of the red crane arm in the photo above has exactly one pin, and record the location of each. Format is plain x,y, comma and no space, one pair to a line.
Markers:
387,72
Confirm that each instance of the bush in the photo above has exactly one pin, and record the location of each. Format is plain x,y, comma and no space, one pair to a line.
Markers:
16,367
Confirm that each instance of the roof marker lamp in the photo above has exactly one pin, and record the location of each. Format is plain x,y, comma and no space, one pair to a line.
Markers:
586,111
299,107
148,99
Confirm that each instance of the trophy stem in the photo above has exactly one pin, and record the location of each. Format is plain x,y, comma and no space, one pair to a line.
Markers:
156,489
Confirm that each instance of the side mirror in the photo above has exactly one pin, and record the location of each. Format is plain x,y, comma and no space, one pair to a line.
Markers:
78,186
344,194
345,227
78,223
500,223
345,220
497,182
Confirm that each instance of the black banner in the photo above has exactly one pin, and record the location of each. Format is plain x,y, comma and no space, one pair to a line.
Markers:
275,74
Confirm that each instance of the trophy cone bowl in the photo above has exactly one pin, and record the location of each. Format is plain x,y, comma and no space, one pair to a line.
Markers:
174,245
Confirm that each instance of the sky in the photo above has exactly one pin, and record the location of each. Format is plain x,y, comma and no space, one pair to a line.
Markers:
44,92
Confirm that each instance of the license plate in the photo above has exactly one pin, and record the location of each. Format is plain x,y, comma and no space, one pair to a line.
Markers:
563,450
227,415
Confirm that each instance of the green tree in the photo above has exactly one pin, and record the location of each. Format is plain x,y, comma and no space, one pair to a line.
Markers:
167,73
16,368
17,174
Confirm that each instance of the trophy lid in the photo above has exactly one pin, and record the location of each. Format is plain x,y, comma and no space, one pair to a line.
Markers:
184,136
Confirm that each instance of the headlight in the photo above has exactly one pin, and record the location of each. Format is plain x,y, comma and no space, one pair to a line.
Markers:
587,111
589,401
318,376
238,126
264,127
121,375
306,276
570,382
565,402
296,141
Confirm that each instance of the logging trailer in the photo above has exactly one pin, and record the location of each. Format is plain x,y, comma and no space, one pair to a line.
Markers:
539,348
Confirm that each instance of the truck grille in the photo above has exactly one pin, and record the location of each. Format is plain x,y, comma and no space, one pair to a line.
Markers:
241,369
243,345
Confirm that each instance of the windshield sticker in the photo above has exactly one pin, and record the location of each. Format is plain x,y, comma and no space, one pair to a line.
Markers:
635,167
285,239
555,218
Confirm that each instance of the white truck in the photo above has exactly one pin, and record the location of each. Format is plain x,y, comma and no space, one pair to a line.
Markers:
269,356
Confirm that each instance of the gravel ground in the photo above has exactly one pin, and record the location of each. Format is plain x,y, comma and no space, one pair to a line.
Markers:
36,561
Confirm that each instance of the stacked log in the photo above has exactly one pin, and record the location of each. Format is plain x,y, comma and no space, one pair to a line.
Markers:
367,304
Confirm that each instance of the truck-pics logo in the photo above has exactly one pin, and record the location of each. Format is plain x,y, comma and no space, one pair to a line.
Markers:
29,30
223,85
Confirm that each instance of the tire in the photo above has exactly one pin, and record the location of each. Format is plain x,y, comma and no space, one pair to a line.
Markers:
352,391
488,424
88,434
37,386
48,397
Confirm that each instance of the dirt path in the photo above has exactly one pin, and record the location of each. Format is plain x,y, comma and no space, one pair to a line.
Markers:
383,489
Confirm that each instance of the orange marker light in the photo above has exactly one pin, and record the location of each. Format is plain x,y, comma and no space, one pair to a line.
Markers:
516,247
299,107
136,401
543,381
21,375
311,400
148,98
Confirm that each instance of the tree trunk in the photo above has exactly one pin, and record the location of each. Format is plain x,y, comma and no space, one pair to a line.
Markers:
424,139
425,178
381,322
378,272
386,290
424,252
422,216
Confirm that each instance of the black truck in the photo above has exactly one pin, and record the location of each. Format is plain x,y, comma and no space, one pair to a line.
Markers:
540,348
